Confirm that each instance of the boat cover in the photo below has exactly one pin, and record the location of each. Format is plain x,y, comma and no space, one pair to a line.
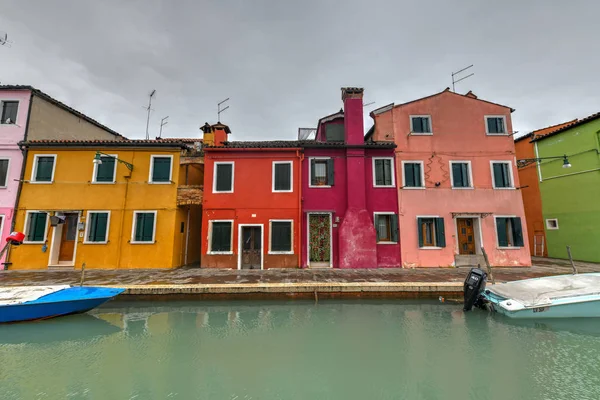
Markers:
21,294
541,291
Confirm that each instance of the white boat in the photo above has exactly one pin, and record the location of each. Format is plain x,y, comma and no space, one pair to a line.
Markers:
561,296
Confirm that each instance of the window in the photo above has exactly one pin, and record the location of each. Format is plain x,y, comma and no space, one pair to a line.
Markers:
420,124
282,176
431,232
105,172
461,174
334,132
9,112
223,178
386,227
144,226
383,172
413,174
502,174
4,172
43,168
36,226
220,238
321,172
160,169
509,232
552,224
495,125
281,237
97,227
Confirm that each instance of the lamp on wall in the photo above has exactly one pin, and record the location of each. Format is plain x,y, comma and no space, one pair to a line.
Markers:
99,155
526,161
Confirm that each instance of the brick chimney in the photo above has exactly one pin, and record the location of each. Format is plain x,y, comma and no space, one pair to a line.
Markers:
215,135
353,115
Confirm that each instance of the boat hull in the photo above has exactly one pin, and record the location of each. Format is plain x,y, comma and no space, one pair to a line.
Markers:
64,302
583,308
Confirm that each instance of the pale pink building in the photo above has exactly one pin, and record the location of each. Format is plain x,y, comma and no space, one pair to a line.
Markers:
458,182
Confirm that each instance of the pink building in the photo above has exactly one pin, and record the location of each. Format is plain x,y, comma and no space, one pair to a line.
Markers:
349,194
457,179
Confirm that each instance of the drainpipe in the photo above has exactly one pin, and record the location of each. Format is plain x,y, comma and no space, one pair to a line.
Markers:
187,237
127,178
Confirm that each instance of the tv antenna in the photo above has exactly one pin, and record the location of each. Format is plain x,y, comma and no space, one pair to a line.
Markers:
220,110
163,122
461,79
4,39
368,104
149,108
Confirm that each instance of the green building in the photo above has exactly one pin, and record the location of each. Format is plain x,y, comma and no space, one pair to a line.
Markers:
571,196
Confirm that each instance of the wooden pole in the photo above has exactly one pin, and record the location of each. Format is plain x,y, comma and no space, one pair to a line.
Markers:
82,275
489,267
571,259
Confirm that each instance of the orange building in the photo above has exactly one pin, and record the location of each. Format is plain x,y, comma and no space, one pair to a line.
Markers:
251,205
530,189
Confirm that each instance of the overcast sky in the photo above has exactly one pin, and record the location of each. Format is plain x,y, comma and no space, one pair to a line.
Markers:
282,63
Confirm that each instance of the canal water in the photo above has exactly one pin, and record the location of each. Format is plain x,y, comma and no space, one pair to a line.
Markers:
298,350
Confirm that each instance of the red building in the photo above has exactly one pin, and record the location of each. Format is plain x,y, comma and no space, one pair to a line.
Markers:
251,206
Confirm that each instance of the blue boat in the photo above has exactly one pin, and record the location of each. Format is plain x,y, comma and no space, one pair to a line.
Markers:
33,303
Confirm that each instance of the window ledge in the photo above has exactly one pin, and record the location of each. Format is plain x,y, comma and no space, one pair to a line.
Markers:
160,183
28,242
504,188
320,186
387,242
414,187
463,188
509,248
430,248
282,191
421,133
496,134
280,252
152,242
219,252
41,182
86,242
222,191
384,186
103,183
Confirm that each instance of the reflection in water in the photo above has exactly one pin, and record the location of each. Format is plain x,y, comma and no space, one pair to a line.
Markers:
297,350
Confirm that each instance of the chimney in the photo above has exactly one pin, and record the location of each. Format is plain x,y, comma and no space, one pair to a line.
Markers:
215,135
353,115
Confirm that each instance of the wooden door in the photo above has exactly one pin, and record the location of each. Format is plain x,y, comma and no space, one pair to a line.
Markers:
466,235
251,247
68,237
319,228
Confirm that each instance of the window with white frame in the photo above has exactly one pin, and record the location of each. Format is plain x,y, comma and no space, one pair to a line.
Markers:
386,227
36,226
552,224
502,174
495,125
97,227
461,174
282,176
161,168
281,237
8,113
144,227
223,177
4,162
221,236
420,124
509,231
321,172
383,172
412,174
43,168
105,171
431,232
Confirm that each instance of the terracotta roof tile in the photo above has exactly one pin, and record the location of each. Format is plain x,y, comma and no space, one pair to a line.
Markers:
569,126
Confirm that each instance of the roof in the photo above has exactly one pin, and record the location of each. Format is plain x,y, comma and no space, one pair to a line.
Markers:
286,144
541,131
104,143
569,126
182,140
62,105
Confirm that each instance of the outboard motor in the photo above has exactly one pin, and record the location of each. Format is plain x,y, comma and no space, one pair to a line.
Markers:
473,287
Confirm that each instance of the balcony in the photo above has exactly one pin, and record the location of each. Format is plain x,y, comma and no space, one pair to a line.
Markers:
190,195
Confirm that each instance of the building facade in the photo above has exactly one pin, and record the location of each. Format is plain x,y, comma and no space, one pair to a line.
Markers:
570,196
28,113
108,204
349,200
458,183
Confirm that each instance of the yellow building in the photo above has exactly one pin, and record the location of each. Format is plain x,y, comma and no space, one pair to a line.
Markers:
108,204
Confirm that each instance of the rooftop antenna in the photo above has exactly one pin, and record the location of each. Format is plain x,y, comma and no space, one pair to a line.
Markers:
163,122
461,79
149,109
4,39
368,104
220,110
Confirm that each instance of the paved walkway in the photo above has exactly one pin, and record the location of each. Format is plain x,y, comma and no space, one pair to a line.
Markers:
207,281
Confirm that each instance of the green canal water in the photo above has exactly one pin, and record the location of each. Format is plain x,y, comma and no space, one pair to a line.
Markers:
298,350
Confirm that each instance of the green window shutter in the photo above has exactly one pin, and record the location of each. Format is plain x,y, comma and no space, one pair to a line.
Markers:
43,172
101,227
144,227
501,232
283,173
491,124
517,231
313,179
465,175
93,218
37,227
417,175
281,236
394,227
387,172
409,175
376,223
440,234
161,169
224,177
330,172
105,171
3,172
420,230
334,133
417,125
457,175
506,175
221,236
379,172
498,175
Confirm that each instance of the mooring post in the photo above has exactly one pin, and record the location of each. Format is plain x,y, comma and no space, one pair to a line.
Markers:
571,259
82,275
489,267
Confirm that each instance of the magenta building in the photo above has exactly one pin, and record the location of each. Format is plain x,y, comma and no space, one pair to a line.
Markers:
349,194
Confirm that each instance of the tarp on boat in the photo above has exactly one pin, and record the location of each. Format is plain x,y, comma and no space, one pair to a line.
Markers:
20,294
541,291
